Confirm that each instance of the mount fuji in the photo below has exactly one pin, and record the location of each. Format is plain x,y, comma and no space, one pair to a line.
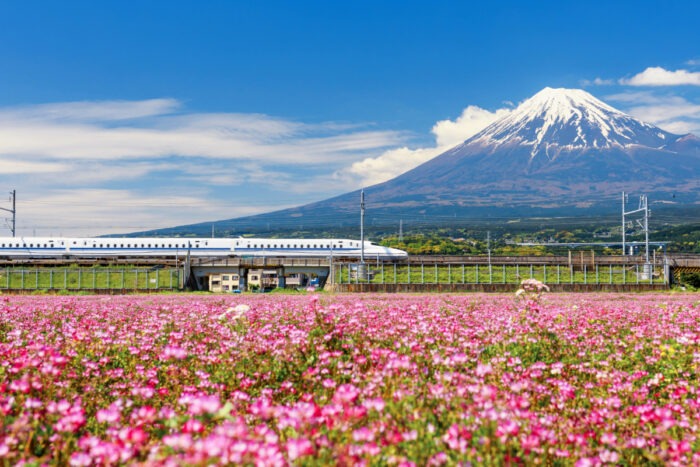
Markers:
561,152
560,149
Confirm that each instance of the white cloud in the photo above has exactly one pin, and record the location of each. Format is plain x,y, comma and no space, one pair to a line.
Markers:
116,130
657,76
122,211
670,112
597,82
88,168
92,110
373,170
473,119
394,162
11,167
110,163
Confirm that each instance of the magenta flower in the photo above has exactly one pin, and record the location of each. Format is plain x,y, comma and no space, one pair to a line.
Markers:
299,447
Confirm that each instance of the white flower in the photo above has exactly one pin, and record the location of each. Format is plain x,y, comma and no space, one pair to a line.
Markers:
235,313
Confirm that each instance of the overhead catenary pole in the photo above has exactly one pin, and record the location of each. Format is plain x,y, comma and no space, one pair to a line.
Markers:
643,208
488,247
362,227
646,228
623,224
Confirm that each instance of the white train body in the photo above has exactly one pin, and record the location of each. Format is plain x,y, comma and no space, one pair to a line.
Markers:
46,247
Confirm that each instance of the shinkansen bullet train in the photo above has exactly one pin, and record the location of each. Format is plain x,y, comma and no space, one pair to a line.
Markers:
47,247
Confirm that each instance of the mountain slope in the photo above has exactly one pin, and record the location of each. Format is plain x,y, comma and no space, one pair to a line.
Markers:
561,152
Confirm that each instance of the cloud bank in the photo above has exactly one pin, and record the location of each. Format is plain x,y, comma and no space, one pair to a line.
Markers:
120,166
447,133
657,76
668,111
662,103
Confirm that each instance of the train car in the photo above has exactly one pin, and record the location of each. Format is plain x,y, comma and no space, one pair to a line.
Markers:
61,247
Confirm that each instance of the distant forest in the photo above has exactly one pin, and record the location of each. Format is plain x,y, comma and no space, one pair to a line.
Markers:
501,238
505,242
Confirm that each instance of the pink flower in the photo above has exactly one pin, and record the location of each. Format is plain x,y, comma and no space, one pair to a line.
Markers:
299,447
374,404
346,393
483,370
363,434
608,438
172,352
198,405
109,415
438,459
80,459
181,441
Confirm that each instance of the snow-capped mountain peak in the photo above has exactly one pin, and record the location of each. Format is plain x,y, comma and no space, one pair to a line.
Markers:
555,119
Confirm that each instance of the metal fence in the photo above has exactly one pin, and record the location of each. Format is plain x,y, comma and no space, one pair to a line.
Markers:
434,273
93,279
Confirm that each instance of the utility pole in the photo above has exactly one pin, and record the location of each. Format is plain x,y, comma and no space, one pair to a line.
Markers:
362,227
13,198
488,247
624,199
401,230
644,204
643,207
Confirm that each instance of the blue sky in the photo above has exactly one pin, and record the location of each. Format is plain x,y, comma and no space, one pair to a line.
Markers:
118,116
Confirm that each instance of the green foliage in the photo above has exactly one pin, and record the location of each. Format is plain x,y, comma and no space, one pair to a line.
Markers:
691,279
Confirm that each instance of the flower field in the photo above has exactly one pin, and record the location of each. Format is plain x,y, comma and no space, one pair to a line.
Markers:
350,379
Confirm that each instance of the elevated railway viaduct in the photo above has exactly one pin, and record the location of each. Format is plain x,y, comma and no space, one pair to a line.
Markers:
579,271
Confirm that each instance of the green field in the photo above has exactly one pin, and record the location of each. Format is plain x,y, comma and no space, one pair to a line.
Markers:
496,274
99,278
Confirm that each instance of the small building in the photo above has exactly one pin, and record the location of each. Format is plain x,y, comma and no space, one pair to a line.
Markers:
296,279
225,282
263,279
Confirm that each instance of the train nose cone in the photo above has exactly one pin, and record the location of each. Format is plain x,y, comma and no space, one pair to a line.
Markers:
398,253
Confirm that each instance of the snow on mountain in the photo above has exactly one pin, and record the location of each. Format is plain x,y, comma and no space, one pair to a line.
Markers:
560,153
555,119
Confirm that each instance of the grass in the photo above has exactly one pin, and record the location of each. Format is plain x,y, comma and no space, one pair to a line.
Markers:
497,274
88,279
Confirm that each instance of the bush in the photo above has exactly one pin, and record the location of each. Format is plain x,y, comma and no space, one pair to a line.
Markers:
691,279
